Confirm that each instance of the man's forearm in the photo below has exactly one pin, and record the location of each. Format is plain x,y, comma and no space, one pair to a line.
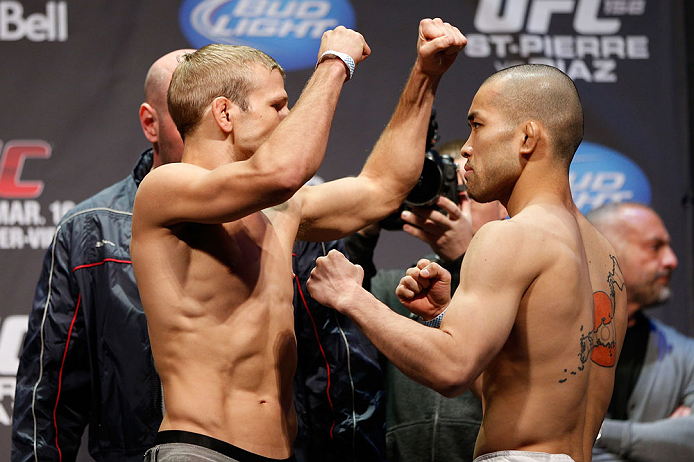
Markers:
420,352
667,439
298,144
360,251
397,158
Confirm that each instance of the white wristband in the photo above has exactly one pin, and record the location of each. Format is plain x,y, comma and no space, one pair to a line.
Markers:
435,323
347,59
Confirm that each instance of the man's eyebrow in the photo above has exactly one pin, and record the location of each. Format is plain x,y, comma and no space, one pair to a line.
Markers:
472,115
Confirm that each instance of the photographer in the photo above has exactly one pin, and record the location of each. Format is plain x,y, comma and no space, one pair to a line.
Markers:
420,423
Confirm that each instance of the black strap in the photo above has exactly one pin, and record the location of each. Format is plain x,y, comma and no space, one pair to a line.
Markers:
180,436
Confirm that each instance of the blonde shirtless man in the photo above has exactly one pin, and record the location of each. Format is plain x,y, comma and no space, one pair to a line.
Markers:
212,236
537,322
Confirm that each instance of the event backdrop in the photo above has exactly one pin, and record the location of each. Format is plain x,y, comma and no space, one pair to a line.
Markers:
71,75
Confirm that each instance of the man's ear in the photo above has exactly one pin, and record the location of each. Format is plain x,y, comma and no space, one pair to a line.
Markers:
531,137
148,122
221,111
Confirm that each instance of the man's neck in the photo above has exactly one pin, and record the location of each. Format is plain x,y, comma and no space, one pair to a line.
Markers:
207,154
539,186
635,313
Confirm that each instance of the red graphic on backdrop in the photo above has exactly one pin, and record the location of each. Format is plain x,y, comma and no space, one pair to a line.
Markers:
11,164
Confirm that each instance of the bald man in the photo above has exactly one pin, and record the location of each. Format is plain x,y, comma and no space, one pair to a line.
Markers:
537,322
420,423
650,415
86,358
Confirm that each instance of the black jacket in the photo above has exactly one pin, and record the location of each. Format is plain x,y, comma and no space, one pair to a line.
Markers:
86,356
338,386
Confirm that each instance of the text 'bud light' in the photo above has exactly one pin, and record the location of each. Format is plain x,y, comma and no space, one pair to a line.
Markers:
288,30
599,175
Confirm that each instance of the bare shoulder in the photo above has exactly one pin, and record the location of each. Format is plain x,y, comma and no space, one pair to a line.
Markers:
593,239
154,194
605,271
168,176
528,234
504,250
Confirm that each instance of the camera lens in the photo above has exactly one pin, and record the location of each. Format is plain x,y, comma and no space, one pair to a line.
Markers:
428,187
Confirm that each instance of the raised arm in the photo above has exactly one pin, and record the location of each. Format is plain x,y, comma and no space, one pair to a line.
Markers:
476,325
341,207
274,151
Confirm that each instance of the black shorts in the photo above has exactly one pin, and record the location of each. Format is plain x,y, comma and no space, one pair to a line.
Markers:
171,445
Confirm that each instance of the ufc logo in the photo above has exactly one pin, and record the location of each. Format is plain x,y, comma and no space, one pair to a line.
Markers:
11,338
490,18
11,164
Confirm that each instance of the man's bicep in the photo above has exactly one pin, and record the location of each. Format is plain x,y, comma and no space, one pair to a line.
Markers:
498,264
493,280
338,208
176,193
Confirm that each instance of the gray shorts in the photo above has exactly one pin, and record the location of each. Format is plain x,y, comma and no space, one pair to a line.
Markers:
522,456
182,446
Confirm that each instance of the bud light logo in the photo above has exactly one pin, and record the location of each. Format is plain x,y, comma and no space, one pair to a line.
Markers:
599,175
288,30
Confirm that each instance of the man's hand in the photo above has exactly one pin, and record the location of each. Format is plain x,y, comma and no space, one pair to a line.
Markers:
438,45
682,411
335,281
447,235
425,290
346,41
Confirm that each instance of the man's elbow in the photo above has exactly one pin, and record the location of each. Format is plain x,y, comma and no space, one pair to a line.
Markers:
383,198
452,382
284,182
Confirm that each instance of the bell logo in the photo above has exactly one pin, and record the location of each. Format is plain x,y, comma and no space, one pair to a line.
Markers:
490,18
11,164
37,27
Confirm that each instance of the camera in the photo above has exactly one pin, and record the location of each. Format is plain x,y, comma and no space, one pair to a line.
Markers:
439,177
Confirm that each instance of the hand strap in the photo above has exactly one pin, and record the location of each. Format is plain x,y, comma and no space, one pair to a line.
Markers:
347,59
435,323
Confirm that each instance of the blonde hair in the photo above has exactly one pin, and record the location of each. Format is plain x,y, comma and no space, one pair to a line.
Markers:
213,70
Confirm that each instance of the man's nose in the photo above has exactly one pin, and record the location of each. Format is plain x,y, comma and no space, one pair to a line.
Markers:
466,150
669,258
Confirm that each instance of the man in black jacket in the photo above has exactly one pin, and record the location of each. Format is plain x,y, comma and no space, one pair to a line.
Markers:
86,358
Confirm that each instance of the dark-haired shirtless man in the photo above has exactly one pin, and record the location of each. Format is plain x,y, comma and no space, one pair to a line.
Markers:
537,322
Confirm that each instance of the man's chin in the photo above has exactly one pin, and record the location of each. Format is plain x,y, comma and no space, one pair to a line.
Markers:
664,295
660,298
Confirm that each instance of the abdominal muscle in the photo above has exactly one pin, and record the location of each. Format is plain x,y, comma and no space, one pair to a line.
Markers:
233,383
221,327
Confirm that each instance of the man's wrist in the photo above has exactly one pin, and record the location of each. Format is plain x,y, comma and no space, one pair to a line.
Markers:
344,57
435,322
